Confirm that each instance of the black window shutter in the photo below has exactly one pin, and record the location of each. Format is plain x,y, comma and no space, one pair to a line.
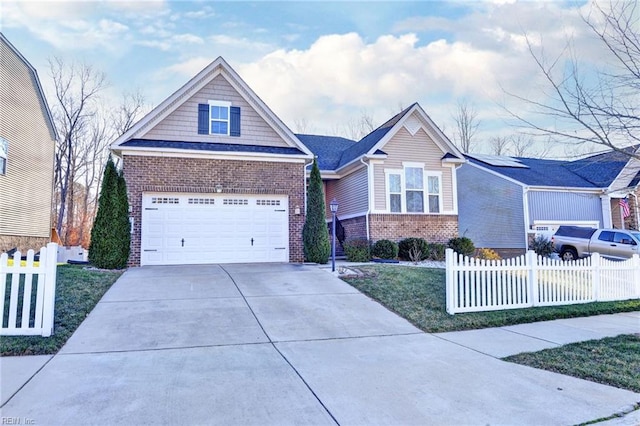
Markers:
203,119
234,115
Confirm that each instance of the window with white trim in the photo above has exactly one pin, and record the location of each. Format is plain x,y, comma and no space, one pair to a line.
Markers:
4,149
413,189
395,192
219,117
434,192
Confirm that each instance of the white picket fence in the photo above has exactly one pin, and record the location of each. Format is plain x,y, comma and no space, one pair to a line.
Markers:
29,293
530,280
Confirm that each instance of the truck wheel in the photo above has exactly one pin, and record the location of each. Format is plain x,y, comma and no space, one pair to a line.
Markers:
569,254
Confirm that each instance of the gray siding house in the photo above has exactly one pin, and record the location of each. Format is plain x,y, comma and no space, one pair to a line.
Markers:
505,201
27,146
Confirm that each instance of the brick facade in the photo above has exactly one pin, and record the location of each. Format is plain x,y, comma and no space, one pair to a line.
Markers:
395,227
433,228
199,175
354,228
23,244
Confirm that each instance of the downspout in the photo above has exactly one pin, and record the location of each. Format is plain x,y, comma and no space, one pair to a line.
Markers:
304,184
369,198
525,211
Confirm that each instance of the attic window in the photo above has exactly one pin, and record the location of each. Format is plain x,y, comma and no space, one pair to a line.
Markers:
4,149
218,118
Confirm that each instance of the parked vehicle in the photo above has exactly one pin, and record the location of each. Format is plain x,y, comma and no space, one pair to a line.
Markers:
574,242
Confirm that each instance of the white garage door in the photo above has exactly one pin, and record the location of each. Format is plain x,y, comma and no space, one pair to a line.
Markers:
214,228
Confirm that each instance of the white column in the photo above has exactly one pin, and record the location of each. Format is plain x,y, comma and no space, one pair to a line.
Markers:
606,211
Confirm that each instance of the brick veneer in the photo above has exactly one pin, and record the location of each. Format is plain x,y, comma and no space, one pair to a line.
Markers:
199,175
23,244
354,228
395,227
433,228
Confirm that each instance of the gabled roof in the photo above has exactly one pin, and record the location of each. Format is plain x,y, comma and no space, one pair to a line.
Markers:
36,79
594,172
328,149
335,152
204,77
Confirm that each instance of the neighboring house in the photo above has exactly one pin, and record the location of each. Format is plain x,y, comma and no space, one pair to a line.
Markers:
507,200
398,181
213,176
27,149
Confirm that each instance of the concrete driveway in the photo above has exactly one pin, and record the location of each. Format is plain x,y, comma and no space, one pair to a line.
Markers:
281,344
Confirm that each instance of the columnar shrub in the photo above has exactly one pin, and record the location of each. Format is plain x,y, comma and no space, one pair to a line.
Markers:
314,233
385,249
111,232
414,249
357,250
462,245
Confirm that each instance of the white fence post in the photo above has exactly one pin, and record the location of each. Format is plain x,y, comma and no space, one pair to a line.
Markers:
450,284
51,257
596,280
532,265
635,264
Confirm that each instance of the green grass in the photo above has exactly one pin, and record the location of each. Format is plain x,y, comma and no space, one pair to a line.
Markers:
418,294
77,292
613,361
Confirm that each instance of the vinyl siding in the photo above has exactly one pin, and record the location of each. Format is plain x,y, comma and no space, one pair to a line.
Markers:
490,209
416,149
182,124
565,206
26,188
351,192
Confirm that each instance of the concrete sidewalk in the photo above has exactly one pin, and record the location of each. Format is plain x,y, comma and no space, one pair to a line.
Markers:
284,344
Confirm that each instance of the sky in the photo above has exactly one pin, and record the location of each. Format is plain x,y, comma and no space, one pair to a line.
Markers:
318,65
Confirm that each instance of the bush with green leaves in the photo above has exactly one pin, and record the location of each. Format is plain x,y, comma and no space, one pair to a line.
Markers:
385,249
542,246
111,232
413,249
435,251
357,250
315,234
462,245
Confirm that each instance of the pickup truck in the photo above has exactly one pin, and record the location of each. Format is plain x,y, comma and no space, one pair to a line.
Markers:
574,242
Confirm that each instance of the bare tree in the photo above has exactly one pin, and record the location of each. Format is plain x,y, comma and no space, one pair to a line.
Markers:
467,123
132,106
602,109
499,145
357,128
301,125
77,87
521,145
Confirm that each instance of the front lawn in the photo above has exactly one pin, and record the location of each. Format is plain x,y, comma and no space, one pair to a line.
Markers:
78,290
418,294
613,361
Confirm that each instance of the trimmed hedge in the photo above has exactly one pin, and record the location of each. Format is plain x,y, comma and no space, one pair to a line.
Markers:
405,246
357,250
385,249
462,245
